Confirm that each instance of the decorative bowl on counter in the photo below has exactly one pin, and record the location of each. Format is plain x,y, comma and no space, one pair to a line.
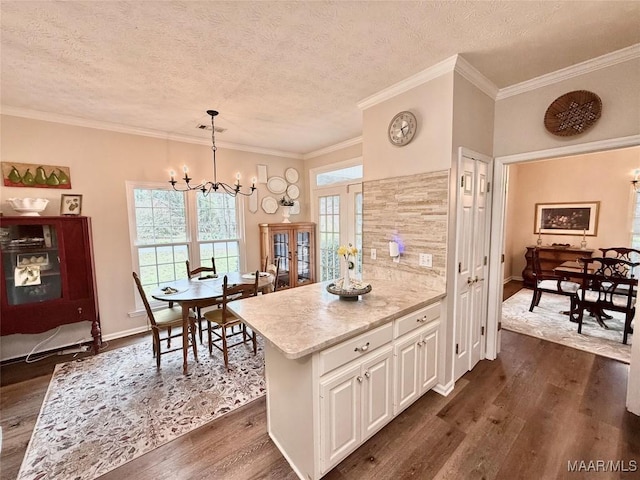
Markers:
28,206
357,288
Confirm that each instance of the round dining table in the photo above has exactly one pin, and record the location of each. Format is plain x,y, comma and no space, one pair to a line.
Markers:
202,292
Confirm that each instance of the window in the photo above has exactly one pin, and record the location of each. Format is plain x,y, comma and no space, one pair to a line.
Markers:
165,234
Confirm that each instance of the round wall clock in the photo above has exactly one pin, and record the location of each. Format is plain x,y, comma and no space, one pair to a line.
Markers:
402,128
573,113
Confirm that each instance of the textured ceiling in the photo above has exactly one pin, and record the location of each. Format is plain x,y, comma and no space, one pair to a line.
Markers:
284,75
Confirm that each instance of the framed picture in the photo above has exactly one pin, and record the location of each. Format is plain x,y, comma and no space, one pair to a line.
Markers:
70,204
567,218
35,175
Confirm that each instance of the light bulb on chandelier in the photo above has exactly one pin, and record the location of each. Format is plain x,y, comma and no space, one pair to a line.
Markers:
207,186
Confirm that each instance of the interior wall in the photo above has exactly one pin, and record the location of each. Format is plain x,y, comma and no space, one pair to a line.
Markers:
604,177
519,125
101,162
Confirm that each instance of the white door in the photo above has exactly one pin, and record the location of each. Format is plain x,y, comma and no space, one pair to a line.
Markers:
338,216
472,256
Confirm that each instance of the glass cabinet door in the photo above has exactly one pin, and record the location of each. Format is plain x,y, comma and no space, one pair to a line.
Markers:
31,263
280,241
303,257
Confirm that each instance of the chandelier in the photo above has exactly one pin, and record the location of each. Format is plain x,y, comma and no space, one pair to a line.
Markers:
207,186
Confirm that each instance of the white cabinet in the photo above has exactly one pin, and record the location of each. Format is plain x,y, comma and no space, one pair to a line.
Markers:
416,365
355,402
322,407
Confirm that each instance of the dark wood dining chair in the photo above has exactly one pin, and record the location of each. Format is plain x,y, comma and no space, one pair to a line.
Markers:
226,320
164,321
623,253
549,283
201,272
608,284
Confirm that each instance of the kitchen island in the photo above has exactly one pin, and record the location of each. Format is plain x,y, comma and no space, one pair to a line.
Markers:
337,371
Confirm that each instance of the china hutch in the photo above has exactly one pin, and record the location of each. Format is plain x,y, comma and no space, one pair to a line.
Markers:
550,258
48,275
294,244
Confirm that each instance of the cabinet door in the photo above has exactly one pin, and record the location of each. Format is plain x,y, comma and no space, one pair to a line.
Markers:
303,249
340,416
377,392
428,359
407,356
281,248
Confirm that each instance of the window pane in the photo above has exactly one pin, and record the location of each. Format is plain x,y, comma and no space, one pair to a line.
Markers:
338,176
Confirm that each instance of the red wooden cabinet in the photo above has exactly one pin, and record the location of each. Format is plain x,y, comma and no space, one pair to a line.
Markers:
47,274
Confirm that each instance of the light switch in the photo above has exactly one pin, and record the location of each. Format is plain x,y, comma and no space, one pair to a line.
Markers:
374,254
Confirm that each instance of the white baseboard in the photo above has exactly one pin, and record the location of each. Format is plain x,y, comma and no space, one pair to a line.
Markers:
445,390
125,333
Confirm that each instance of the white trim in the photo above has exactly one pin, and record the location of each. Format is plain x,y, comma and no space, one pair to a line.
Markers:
333,148
125,333
115,127
597,146
468,71
591,65
413,81
444,389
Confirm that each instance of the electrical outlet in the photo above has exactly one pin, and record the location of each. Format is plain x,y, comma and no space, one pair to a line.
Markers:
425,260
374,254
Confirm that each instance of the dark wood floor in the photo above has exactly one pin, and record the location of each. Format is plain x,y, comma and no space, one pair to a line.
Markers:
525,415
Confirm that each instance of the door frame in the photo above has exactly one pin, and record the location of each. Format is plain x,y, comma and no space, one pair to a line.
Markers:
500,179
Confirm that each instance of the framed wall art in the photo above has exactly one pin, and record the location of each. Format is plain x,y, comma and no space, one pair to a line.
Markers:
567,218
35,175
70,204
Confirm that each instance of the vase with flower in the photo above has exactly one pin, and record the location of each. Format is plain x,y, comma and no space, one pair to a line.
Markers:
348,252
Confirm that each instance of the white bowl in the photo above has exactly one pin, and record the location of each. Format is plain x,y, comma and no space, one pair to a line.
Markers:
28,206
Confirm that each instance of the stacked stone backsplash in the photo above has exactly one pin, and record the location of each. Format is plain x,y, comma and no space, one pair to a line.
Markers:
414,209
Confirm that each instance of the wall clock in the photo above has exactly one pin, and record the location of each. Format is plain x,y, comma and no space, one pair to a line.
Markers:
573,113
402,128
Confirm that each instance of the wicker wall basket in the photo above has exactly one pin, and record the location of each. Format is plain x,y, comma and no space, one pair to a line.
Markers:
573,113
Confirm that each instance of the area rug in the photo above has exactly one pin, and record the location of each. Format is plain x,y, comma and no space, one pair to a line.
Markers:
103,411
548,323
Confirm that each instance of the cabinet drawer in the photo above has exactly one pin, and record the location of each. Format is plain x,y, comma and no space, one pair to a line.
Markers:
348,350
416,319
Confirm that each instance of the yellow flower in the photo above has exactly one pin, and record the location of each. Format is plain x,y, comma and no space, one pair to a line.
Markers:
342,250
347,250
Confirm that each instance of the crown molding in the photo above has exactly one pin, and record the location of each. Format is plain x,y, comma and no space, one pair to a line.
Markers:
468,71
115,127
413,81
591,65
333,148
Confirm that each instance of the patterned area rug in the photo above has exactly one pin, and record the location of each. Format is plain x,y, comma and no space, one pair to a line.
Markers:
548,323
103,411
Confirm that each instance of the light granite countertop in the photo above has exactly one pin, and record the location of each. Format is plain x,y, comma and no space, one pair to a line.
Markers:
303,320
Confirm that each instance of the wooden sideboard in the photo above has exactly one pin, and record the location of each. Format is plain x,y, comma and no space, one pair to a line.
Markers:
551,257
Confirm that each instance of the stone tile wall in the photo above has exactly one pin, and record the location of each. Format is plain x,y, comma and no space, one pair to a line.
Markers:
415,210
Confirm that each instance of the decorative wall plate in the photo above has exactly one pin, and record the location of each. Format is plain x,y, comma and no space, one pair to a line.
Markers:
291,174
253,202
573,113
277,185
269,204
293,192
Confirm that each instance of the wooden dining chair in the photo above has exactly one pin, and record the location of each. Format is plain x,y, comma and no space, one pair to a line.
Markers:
549,283
164,321
608,284
225,320
209,272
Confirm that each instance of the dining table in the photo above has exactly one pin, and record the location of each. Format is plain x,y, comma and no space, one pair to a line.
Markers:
205,291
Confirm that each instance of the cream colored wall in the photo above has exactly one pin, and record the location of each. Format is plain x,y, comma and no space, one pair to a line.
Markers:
101,162
473,118
519,125
510,217
602,177
430,150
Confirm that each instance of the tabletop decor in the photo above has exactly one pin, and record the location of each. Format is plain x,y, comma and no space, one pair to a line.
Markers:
347,252
70,204
286,203
353,292
30,207
573,113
